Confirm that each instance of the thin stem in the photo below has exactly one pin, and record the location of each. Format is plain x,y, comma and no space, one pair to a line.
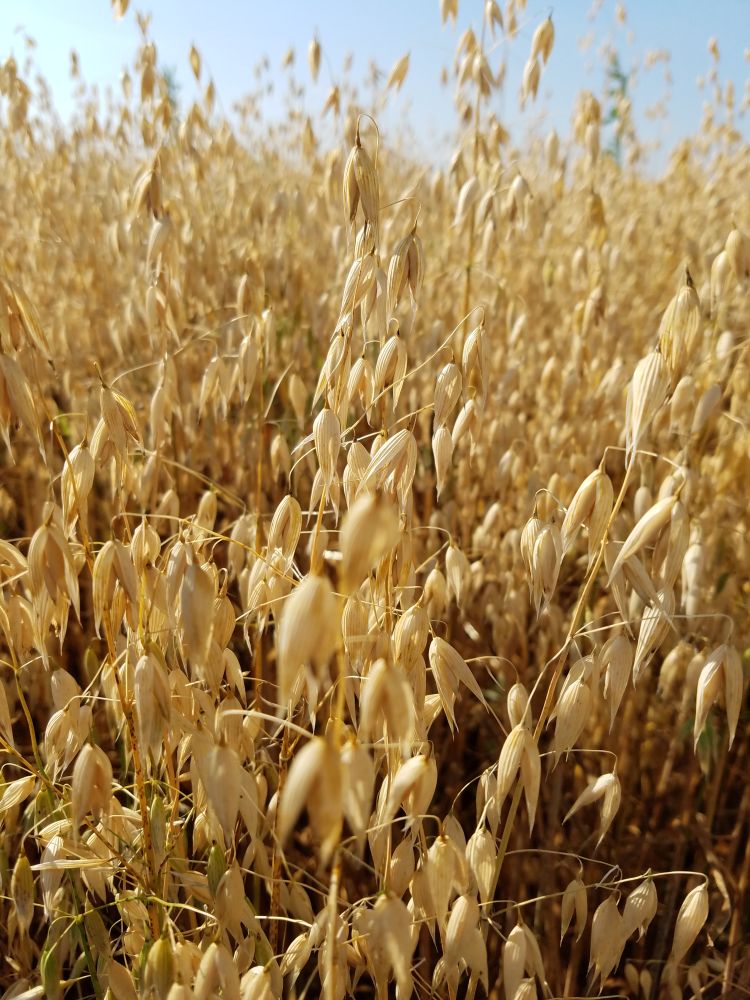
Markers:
474,166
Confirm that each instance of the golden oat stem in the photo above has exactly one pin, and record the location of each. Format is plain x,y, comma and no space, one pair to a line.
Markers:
24,705
735,926
474,165
175,786
284,757
317,557
340,703
333,894
258,651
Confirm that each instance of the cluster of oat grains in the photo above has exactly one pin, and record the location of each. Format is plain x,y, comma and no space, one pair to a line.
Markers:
349,508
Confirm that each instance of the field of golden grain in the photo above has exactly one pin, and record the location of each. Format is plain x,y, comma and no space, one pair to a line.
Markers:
374,557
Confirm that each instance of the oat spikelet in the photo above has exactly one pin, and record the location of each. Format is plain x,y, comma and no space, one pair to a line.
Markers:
92,784
649,525
314,781
691,918
307,632
398,74
646,394
574,900
607,938
640,908
313,58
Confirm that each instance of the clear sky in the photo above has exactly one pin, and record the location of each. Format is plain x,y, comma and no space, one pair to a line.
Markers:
233,35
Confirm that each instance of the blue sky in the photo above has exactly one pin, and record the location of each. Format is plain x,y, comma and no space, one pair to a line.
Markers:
233,35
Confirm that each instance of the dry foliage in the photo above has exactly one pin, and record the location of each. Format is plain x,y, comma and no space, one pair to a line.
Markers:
374,568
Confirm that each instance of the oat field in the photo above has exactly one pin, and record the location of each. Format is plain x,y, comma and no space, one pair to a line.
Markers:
374,553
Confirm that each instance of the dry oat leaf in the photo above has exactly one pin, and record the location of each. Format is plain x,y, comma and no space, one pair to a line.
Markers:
121,982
